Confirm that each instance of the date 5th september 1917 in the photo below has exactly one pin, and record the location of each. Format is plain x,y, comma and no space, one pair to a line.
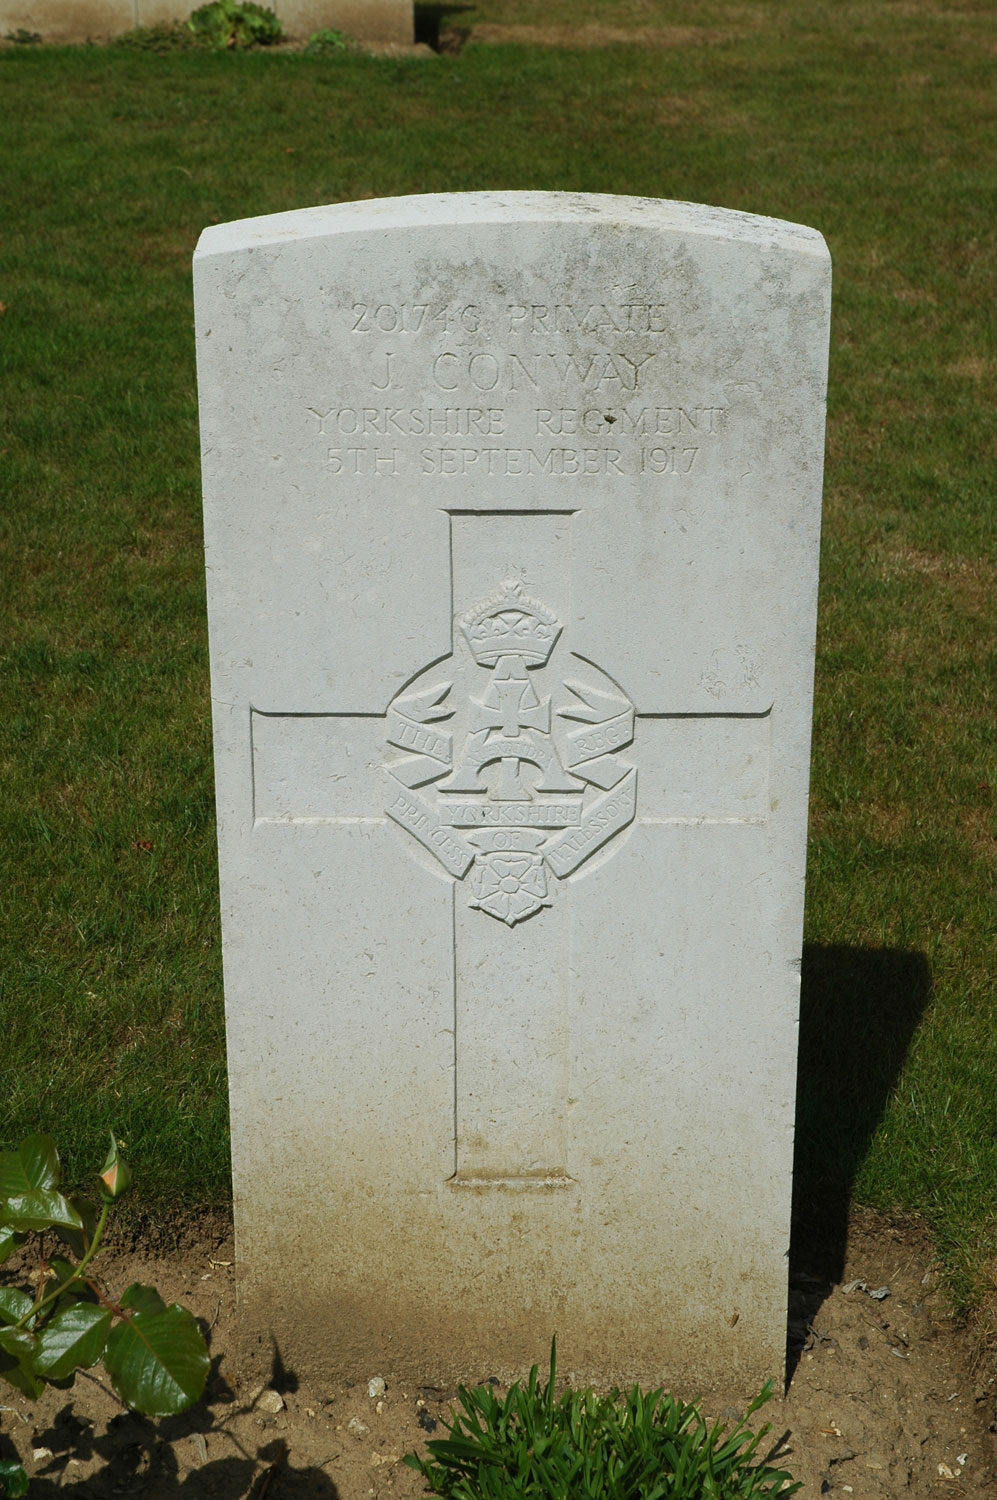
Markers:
557,462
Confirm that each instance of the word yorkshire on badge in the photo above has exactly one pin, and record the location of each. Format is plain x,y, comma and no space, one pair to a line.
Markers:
512,777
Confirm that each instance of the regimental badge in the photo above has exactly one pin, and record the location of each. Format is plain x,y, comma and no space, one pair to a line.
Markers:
513,778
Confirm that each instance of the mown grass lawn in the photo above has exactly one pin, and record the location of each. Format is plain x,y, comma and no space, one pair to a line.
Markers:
875,122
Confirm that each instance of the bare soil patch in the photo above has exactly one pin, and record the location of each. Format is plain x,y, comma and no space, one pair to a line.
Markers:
885,1399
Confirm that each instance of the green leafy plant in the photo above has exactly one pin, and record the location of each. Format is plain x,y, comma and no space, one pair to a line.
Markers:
586,1447
155,1355
327,40
13,1480
168,36
230,24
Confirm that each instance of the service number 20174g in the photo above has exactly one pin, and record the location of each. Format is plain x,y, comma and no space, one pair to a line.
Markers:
410,317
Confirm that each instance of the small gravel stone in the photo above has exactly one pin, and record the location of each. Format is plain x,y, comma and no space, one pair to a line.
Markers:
271,1402
376,1387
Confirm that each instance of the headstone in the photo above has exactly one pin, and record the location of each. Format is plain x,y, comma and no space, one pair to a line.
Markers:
67,20
82,20
369,20
512,507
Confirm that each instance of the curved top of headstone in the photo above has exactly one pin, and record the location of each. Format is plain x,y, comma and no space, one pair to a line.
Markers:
431,210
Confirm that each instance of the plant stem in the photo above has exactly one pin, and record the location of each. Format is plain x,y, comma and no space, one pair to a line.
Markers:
77,1273
114,1307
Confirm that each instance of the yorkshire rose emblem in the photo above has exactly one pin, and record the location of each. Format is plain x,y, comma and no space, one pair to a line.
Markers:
509,886
510,771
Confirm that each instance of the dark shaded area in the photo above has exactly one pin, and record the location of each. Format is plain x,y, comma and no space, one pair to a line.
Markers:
434,28
859,1009
139,1454
282,1380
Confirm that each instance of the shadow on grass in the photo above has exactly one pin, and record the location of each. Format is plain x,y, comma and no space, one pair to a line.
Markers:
432,20
859,1009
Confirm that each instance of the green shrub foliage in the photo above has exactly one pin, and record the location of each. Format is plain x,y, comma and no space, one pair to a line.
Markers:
586,1447
228,24
170,36
327,40
62,1320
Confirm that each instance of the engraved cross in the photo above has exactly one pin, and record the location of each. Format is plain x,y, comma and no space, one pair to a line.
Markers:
511,1122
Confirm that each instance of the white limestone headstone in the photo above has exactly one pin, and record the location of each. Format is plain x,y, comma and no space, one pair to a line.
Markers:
388,21
512,508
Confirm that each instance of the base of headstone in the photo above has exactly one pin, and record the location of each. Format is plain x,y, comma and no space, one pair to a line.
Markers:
366,20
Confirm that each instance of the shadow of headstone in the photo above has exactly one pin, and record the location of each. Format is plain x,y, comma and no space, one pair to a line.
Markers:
435,29
859,1009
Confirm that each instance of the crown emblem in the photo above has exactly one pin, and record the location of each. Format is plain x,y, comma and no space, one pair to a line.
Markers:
511,624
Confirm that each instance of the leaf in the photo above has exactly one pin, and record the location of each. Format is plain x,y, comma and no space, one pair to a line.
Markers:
35,1164
157,1360
14,1304
74,1338
17,1348
17,1342
143,1299
42,1209
9,1241
13,1479
79,1240
22,1380
589,1447
63,1272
